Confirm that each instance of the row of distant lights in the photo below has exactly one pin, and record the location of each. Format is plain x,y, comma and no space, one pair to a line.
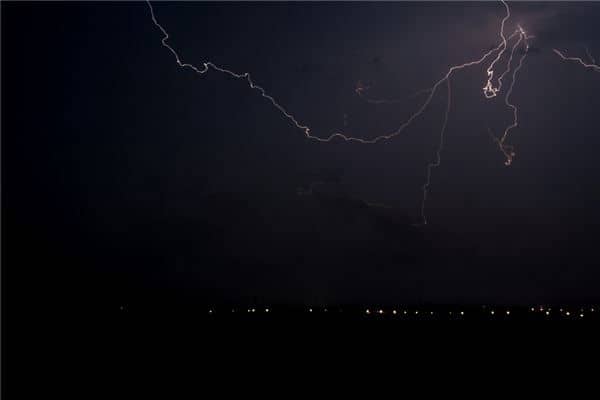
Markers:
250,310
310,310
562,311
404,312
493,312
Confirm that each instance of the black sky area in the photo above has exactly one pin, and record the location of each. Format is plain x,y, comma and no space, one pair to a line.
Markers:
128,181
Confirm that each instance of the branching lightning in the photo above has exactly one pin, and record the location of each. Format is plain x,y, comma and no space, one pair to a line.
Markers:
595,67
508,150
489,91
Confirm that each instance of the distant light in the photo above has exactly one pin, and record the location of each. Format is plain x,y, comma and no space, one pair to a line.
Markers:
547,312
581,315
210,311
416,312
592,309
507,312
568,313
561,310
462,313
232,310
532,309
254,310
266,310
404,312
325,310
310,310
380,311
368,311
431,312
394,312
492,312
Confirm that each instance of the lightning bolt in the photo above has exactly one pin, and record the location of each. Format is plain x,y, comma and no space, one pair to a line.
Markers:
592,65
489,91
306,129
508,150
438,154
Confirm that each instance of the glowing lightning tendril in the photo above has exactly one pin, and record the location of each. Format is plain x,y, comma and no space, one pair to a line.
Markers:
438,154
587,51
592,65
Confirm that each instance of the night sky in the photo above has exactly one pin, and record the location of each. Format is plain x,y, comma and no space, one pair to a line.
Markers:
130,182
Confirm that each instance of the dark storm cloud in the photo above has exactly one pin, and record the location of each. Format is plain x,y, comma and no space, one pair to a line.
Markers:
137,177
